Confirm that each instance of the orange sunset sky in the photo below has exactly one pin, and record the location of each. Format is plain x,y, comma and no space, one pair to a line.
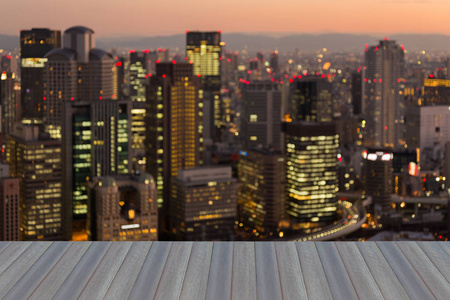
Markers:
166,17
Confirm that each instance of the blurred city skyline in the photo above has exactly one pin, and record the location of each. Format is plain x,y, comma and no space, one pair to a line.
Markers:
140,18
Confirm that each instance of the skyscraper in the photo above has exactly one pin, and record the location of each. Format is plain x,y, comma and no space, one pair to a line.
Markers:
311,100
262,190
383,103
36,161
76,72
204,50
261,115
203,204
9,207
174,130
34,45
95,136
123,208
311,174
9,102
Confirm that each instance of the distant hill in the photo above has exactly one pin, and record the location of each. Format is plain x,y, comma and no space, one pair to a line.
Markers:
262,42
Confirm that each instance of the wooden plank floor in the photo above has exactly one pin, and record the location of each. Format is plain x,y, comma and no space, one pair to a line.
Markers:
224,270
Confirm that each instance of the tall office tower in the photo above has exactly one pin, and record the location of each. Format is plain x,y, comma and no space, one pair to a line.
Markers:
261,115
95,144
311,100
311,174
428,129
120,79
262,190
9,206
274,62
203,205
8,101
138,83
383,103
378,177
174,130
356,93
123,208
204,50
76,72
34,45
35,159
8,63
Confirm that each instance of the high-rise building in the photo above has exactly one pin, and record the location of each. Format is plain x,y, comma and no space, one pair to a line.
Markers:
76,72
383,102
204,204
435,92
9,206
378,177
138,83
274,62
95,144
123,208
262,190
9,101
174,130
356,93
311,174
35,159
34,45
204,50
311,100
261,115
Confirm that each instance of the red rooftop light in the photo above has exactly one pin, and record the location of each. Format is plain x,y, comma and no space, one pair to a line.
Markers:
199,75
174,61
157,61
118,64
147,51
164,76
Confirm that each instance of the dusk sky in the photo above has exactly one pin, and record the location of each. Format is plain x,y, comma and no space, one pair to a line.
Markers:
150,18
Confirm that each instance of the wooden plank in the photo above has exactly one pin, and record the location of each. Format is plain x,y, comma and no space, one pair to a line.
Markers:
363,281
427,271
445,246
56,277
438,256
316,282
21,265
340,284
219,281
31,279
100,280
3,245
406,274
267,276
80,275
384,276
291,277
197,273
148,279
171,281
125,278
11,253
243,280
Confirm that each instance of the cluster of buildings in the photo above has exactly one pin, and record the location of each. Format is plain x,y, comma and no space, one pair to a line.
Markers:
208,144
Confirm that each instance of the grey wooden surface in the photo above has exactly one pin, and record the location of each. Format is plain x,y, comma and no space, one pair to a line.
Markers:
224,270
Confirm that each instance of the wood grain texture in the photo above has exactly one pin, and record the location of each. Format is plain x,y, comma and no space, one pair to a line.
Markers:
363,281
48,287
291,277
219,281
438,256
169,287
105,272
244,271
79,277
340,284
3,245
384,276
317,285
267,274
148,279
406,274
31,279
123,282
197,273
427,271
21,266
11,253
